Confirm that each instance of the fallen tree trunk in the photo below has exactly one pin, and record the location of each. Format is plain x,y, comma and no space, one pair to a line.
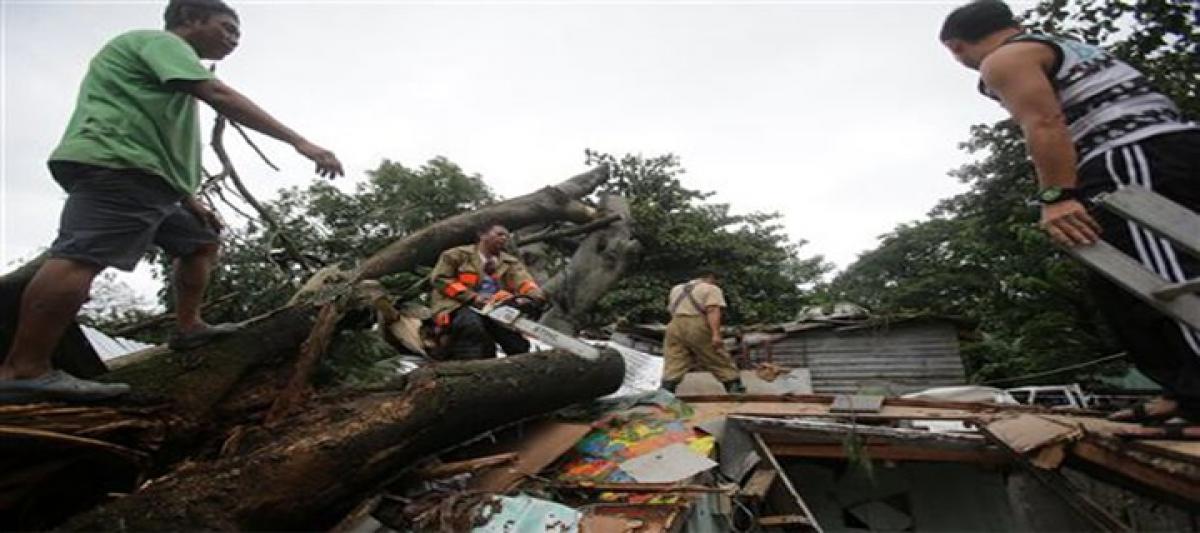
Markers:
596,266
197,380
181,400
337,454
69,456
559,202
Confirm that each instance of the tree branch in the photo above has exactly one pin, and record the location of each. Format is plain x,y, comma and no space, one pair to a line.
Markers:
567,232
246,138
559,202
219,147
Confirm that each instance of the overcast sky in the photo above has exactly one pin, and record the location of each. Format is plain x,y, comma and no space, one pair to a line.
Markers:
843,116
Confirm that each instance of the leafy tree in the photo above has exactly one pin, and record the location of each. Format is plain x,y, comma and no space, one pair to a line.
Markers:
330,226
980,255
764,275
113,302
678,231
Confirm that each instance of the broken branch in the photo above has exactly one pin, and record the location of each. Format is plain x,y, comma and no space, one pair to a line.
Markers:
567,232
218,146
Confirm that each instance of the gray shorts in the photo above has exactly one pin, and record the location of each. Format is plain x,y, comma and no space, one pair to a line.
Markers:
112,216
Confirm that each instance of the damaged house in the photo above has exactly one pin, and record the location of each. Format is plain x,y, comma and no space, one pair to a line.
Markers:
845,353
554,441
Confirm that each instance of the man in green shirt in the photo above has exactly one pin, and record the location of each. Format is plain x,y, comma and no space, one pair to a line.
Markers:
130,163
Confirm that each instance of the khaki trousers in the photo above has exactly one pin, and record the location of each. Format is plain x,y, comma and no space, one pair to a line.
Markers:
688,346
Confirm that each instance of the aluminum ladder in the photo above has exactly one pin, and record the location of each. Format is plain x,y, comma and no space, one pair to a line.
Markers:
1165,218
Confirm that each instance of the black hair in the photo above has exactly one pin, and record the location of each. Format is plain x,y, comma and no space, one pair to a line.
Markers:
976,20
484,229
180,12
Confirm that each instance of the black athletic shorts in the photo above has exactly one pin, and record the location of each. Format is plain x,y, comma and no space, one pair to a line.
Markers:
112,216
1165,350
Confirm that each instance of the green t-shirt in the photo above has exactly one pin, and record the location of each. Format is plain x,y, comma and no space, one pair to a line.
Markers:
127,117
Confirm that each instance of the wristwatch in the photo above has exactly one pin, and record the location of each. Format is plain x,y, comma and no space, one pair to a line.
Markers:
1055,194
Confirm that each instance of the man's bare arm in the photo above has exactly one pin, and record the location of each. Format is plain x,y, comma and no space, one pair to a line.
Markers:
242,110
1016,73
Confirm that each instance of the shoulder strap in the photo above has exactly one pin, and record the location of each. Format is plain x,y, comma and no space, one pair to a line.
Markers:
1051,74
1053,43
687,293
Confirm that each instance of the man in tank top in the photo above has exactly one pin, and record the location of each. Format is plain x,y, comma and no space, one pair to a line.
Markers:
1093,123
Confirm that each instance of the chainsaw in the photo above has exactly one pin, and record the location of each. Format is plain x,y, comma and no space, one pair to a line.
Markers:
511,316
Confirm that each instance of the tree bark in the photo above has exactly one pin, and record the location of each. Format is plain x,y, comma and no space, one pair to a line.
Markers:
559,202
337,448
333,456
197,380
596,266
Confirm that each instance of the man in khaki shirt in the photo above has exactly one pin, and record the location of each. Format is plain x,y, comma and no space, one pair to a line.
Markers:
693,339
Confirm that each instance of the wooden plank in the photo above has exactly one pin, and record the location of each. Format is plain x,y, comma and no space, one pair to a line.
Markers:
470,465
765,452
826,399
759,483
637,487
890,452
783,520
1184,451
1137,471
826,429
1135,278
705,411
545,445
1177,449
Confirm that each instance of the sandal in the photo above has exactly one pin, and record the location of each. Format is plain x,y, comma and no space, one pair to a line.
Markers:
57,385
195,339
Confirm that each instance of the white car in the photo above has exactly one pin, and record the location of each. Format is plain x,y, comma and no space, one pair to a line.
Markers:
965,393
962,393
1053,396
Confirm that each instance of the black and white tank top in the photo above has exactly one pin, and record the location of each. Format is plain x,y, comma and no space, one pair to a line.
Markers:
1106,102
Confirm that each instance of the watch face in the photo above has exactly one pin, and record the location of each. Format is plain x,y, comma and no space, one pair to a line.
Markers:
1051,194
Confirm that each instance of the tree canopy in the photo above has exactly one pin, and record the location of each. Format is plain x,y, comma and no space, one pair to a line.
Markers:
764,275
679,231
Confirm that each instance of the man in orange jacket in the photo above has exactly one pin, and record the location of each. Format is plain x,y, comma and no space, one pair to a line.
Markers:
472,276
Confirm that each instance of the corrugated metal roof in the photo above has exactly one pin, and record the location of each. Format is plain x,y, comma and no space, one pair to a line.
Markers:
109,347
899,358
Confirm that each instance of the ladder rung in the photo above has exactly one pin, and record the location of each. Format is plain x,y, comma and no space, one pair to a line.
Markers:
1173,290
1156,213
1124,271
